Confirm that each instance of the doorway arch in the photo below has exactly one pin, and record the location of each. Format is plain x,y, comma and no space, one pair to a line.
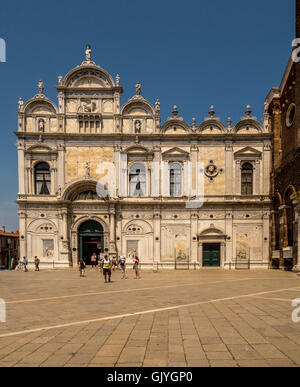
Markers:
90,240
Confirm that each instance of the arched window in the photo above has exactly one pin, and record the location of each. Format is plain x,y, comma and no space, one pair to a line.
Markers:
137,180
175,179
247,179
42,179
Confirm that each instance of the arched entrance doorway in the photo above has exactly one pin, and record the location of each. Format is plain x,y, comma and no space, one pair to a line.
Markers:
90,240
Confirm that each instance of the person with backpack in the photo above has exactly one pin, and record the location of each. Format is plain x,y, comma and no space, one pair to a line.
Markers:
106,267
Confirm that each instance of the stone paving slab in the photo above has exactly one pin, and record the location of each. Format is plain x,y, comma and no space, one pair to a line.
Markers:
209,318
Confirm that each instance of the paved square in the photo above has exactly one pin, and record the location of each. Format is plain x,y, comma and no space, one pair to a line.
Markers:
171,318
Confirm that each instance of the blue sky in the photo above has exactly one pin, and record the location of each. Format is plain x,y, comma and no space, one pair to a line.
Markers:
193,53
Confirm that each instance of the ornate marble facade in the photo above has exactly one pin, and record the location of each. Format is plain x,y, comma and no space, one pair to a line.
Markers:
161,172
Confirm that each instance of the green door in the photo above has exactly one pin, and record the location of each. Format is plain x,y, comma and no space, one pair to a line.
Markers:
90,240
211,255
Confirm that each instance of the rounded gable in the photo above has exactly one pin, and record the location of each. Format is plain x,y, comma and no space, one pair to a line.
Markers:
88,76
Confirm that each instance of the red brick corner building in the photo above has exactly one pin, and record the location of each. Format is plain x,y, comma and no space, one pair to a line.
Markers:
282,112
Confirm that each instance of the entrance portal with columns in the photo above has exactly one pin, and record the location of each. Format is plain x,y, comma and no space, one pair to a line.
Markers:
90,240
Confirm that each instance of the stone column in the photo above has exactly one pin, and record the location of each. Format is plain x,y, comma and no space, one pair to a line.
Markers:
74,248
117,151
266,236
223,254
21,167
65,251
155,177
53,173
123,169
200,254
228,168
257,178
112,231
237,188
157,235
61,166
266,169
148,193
194,238
194,159
229,234
28,180
23,234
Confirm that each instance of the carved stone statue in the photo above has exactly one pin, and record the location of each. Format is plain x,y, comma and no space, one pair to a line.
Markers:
41,125
266,108
60,80
138,88
88,53
21,104
41,87
132,254
118,80
137,126
88,106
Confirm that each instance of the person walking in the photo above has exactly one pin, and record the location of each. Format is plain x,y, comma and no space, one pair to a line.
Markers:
114,264
37,263
136,263
94,260
100,263
25,263
106,266
123,266
81,266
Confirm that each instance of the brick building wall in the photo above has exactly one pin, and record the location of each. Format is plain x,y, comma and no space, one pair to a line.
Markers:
9,243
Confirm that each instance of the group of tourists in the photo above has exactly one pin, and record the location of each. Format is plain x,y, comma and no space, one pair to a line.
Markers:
107,265
21,265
